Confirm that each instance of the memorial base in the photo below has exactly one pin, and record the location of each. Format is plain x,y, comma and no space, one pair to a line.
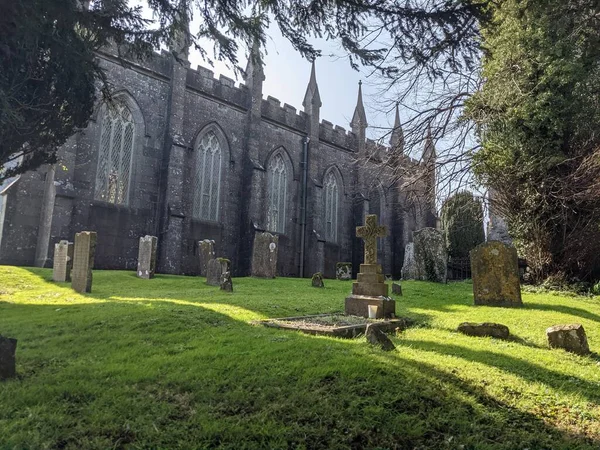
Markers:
358,305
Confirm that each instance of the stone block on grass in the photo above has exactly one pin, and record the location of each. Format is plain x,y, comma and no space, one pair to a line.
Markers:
495,330
571,338
375,336
317,280
8,348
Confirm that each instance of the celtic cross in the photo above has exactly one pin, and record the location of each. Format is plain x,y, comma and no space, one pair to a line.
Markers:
369,233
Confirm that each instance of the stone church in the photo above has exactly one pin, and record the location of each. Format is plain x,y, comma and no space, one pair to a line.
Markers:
184,156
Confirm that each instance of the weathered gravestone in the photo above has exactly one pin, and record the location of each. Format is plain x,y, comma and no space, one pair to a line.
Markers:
264,255
370,289
409,267
376,336
63,261
495,273
431,257
83,261
317,280
343,271
147,257
216,268
205,254
226,282
489,329
8,348
396,289
571,338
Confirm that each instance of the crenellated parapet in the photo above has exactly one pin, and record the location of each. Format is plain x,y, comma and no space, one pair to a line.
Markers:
202,80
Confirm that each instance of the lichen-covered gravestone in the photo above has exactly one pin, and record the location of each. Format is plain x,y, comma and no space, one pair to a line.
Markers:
83,261
216,268
147,257
226,282
571,338
63,261
396,289
495,273
409,269
8,347
206,253
317,280
431,257
264,255
343,271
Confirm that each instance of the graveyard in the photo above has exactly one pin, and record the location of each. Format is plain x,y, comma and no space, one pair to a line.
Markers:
172,362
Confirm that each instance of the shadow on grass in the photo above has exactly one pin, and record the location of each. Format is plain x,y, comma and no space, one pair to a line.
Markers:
516,366
186,374
569,310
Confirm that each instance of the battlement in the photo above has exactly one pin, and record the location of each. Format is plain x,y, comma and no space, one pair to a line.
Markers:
203,80
286,115
157,63
338,135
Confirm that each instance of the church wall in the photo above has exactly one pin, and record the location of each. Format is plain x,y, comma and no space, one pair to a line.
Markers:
201,112
118,226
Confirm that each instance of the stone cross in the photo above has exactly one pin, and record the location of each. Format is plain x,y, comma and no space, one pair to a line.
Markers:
369,233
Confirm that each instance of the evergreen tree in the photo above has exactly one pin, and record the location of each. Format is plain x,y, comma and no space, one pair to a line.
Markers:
462,222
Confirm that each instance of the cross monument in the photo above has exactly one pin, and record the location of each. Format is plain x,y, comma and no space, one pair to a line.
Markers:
369,233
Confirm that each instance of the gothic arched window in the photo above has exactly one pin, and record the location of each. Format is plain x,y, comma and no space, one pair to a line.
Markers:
115,156
277,185
208,178
331,207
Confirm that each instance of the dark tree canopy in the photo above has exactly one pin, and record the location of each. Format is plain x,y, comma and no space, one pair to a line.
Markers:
462,221
50,79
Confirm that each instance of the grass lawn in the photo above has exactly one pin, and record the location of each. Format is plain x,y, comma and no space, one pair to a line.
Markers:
173,363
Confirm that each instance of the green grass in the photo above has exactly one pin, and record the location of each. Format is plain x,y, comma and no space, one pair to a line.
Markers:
173,363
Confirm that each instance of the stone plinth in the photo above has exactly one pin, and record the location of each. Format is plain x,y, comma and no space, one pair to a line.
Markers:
264,255
495,273
370,289
205,254
8,348
147,257
83,261
63,261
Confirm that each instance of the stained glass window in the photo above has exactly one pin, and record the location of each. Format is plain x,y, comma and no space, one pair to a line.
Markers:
116,151
331,207
277,186
207,178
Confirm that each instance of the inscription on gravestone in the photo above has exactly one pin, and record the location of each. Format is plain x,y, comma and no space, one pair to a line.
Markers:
63,261
147,257
264,255
83,261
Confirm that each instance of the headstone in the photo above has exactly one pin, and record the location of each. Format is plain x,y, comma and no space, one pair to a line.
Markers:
495,273
264,255
317,280
226,282
370,289
396,289
571,338
147,257
343,271
409,268
431,257
63,261
206,253
8,348
216,268
83,261
496,330
376,336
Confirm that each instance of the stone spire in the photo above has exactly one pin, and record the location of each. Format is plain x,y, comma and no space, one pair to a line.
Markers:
359,119
254,68
312,99
429,153
397,137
